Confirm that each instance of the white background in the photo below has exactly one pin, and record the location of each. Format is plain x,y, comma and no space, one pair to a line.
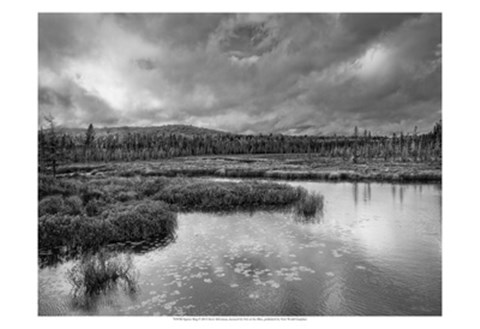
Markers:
461,148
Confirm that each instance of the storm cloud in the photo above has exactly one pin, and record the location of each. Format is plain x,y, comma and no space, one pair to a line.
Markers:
244,73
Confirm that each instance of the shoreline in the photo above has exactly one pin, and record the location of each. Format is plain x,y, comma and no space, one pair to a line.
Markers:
84,214
275,167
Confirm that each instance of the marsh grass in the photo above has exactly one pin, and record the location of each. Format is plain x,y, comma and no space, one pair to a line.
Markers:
56,204
134,222
48,186
94,207
86,215
404,175
207,195
309,205
100,273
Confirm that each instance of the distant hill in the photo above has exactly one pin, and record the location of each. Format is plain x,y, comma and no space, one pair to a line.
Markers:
186,130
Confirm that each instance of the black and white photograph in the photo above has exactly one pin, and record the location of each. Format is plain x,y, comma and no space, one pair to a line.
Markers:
239,164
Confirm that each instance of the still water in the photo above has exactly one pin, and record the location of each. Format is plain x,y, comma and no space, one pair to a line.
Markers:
375,250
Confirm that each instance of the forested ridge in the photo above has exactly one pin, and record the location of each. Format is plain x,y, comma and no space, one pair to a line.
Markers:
57,147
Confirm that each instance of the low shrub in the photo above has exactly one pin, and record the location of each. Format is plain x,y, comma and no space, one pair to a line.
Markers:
126,196
56,204
73,205
142,221
89,194
73,232
47,185
50,205
150,187
131,223
94,207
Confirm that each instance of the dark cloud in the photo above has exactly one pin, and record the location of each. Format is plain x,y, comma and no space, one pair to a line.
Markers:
364,27
177,29
50,97
145,64
65,36
72,106
290,73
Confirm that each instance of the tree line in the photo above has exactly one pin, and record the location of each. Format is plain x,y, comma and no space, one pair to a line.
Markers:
58,148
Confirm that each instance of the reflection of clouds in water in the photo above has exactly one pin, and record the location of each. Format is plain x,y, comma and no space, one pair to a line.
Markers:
367,192
336,254
355,192
266,263
250,256
334,299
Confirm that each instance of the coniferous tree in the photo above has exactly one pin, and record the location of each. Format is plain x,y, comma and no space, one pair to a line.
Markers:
89,139
90,135
355,146
51,149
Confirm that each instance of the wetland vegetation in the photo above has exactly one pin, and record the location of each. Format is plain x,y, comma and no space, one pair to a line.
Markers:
81,214
97,273
191,151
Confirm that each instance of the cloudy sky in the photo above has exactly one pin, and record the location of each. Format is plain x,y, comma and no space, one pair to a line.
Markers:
244,73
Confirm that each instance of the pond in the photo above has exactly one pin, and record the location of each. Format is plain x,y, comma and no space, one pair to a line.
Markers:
375,250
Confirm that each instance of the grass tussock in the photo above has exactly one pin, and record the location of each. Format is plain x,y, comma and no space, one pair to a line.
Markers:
94,207
99,273
73,205
309,205
50,205
56,204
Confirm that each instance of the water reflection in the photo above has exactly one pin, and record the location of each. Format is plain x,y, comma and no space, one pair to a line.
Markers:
97,278
366,192
53,257
315,219
355,193
359,257
401,189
